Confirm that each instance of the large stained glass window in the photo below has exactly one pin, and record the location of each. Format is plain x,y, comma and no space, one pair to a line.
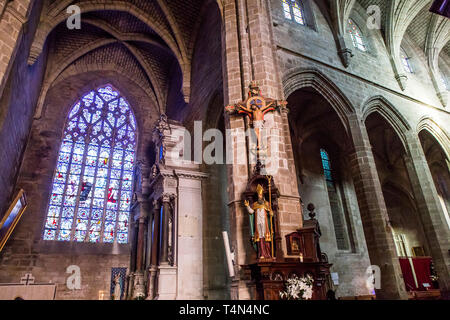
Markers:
356,36
92,186
293,11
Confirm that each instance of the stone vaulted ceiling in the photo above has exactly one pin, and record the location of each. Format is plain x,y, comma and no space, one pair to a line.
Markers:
399,18
148,41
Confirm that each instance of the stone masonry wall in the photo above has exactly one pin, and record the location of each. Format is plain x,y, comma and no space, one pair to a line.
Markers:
17,103
48,260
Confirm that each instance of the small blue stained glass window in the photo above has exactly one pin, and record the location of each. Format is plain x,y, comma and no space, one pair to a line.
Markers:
326,165
91,192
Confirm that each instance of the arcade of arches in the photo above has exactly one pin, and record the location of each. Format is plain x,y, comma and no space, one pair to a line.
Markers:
91,117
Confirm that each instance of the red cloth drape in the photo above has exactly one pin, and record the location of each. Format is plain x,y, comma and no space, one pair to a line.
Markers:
441,7
423,271
407,274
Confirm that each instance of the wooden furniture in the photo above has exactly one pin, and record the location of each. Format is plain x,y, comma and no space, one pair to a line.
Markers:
431,294
363,297
268,278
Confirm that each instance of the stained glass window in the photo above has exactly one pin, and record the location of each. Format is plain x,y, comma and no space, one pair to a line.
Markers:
92,185
444,81
356,36
326,165
293,11
405,61
334,196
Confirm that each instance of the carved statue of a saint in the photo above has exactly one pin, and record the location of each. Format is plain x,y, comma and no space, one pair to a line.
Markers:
261,224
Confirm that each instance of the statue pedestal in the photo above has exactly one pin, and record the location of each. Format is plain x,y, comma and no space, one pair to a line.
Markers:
269,277
167,281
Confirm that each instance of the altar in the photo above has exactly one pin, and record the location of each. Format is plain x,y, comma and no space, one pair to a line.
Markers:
269,277
303,265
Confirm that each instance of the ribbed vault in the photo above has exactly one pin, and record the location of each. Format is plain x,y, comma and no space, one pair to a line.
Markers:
148,41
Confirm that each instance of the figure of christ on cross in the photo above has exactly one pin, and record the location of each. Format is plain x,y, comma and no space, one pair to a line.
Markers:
255,107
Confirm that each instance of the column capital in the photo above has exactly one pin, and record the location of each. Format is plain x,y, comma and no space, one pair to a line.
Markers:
167,197
190,174
142,219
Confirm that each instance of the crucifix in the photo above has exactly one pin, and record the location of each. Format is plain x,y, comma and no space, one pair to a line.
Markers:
27,279
255,107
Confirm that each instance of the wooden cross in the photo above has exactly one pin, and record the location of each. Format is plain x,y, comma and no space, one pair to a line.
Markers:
27,279
255,107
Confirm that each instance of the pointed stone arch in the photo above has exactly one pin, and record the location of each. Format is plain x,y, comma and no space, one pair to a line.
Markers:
49,23
298,78
441,136
387,110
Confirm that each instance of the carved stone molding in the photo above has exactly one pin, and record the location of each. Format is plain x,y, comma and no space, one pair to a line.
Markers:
190,174
402,80
345,54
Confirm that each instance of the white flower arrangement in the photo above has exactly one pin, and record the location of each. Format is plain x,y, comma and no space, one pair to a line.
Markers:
298,288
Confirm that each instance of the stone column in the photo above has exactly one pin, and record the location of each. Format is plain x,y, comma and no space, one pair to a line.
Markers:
139,286
167,271
14,15
154,250
142,222
189,245
377,231
155,237
164,229
430,209
250,55
236,73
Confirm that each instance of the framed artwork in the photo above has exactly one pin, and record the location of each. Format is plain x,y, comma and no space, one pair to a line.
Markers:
118,280
293,242
12,216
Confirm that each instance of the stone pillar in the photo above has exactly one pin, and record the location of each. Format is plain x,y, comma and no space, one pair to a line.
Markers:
164,230
151,293
142,222
167,271
14,15
155,236
250,55
189,244
377,231
138,284
430,210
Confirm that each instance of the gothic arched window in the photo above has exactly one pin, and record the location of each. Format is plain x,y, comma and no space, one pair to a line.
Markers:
356,35
336,206
405,61
92,185
293,11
